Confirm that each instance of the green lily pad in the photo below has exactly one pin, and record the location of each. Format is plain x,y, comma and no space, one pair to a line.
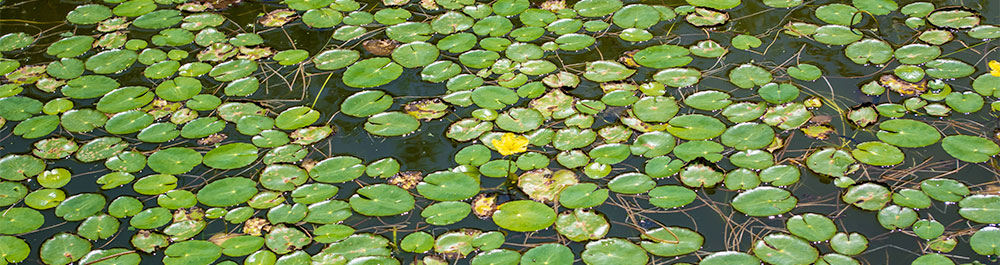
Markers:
583,195
381,200
192,252
233,70
581,225
671,196
778,94
708,49
691,150
896,217
745,136
63,248
14,41
410,55
839,14
907,133
417,242
366,103
13,249
18,220
985,241
606,71
869,51
867,196
812,227
524,216
98,227
749,75
671,241
708,100
970,149
980,208
943,189
548,254
391,124
111,61
745,42
695,127
781,248
614,251
337,169
497,256
101,148
917,53
954,19
678,77
227,192
519,120
631,183
837,35
877,154
230,156
80,206
597,8
764,201
449,186
174,160
730,257
88,14
805,72
446,213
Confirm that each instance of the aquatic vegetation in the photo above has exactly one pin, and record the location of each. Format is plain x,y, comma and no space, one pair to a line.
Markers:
593,131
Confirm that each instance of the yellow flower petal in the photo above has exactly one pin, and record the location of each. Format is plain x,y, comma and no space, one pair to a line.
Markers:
994,68
510,144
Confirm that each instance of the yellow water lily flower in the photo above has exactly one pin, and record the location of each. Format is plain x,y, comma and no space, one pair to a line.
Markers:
510,144
994,68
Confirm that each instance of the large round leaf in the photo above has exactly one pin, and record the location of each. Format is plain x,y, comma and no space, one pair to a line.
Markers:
614,251
671,241
381,200
524,216
63,248
372,72
231,156
784,249
970,149
907,133
764,201
227,192
174,160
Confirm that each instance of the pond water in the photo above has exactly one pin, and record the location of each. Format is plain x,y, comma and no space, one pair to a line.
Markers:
429,149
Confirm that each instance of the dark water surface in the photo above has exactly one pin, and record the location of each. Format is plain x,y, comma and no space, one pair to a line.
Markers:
427,150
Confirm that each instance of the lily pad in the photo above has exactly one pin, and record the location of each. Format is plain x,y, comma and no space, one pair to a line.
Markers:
764,201
780,248
907,133
227,192
391,124
614,251
63,248
381,200
524,216
581,225
970,148
877,154
980,208
867,196
749,75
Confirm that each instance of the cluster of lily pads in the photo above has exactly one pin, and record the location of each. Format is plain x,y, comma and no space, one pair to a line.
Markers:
186,147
